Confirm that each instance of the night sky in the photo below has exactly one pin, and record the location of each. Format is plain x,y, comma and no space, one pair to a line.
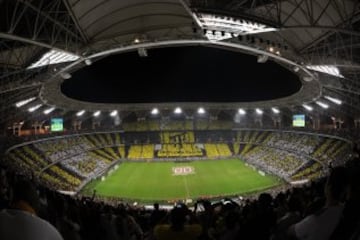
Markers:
181,74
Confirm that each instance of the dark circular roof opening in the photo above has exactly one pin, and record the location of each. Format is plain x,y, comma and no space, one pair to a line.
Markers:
181,74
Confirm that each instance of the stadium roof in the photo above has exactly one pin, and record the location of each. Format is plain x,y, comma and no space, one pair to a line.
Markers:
318,39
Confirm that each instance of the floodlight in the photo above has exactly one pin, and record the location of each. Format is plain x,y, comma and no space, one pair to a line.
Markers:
97,113
24,102
49,110
80,113
155,111
334,100
178,110
307,107
201,110
275,110
259,111
114,113
241,111
321,104
34,108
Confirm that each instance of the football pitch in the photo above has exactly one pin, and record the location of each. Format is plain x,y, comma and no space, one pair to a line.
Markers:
160,181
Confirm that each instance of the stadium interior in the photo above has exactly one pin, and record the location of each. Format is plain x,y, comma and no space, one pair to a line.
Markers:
180,119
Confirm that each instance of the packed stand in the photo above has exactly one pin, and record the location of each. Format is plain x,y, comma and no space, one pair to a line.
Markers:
323,209
276,161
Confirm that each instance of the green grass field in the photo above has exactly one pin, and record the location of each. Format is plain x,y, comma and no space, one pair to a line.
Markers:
155,181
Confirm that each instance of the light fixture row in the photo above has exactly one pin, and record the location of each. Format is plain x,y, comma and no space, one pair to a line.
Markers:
177,110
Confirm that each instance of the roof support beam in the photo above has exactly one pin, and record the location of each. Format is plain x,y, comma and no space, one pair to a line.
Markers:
191,13
30,41
342,89
12,89
339,28
46,16
81,32
335,29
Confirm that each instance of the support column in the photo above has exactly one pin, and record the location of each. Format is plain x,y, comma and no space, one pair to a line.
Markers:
357,123
276,121
16,127
96,124
316,122
258,121
76,125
